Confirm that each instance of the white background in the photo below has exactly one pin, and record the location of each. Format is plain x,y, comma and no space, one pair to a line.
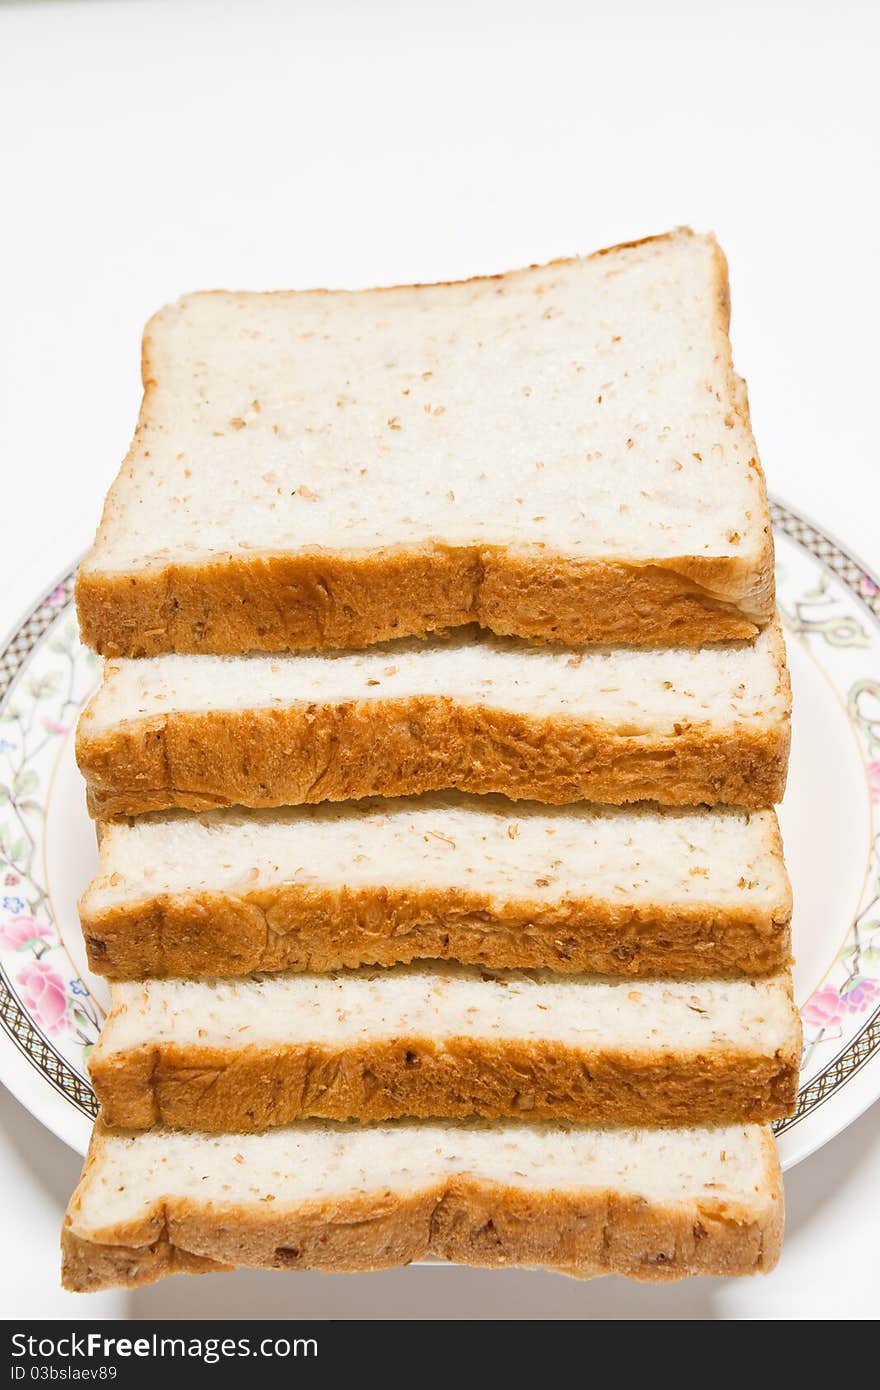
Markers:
150,148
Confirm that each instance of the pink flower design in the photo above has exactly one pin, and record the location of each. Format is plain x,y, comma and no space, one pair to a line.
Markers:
874,779
868,587
824,1010
57,597
11,880
44,995
52,726
20,931
863,994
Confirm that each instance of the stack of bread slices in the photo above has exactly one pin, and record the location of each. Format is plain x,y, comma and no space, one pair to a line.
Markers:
444,713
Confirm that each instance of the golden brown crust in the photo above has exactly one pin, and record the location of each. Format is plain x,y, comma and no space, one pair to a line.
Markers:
309,753
336,599
341,600
466,1221
293,927
223,1088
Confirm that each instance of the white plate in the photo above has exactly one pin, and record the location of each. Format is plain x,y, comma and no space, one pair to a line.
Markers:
51,1007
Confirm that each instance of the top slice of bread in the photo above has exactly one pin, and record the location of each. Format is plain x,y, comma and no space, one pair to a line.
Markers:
562,452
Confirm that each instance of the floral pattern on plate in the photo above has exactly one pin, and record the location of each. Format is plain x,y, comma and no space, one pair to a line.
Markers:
833,608
39,709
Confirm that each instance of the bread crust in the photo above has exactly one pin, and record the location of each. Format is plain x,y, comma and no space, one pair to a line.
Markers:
296,927
248,1089
304,754
332,598
339,599
467,1221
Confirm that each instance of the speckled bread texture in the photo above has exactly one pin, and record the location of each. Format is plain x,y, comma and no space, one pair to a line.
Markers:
710,725
445,1041
635,891
319,470
650,1206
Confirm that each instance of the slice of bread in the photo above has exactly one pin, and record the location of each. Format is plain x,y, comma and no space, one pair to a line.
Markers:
651,1205
626,891
447,1041
478,714
558,453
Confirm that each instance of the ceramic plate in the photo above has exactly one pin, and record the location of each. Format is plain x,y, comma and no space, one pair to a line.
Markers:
51,1008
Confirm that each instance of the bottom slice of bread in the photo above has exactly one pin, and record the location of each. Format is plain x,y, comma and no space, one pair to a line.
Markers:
648,1204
